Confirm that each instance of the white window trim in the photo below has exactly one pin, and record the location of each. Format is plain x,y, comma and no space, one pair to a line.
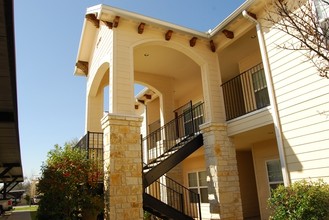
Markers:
268,179
198,187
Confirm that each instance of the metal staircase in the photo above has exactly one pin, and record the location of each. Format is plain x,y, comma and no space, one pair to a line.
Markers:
163,150
167,147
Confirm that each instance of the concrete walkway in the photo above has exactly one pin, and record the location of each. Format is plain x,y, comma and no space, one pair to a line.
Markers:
23,215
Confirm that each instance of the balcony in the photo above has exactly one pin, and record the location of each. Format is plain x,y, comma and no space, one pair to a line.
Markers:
245,93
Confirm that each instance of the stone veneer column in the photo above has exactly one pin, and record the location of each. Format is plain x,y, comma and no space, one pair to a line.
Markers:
223,177
123,185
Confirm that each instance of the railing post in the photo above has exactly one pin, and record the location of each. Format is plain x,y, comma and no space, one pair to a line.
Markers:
199,207
182,203
192,118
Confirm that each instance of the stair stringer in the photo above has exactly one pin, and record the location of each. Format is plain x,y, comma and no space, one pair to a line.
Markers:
172,160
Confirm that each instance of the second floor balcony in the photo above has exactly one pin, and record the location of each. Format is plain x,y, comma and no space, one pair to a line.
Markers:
245,93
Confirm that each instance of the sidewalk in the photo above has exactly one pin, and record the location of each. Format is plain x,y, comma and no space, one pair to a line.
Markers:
23,215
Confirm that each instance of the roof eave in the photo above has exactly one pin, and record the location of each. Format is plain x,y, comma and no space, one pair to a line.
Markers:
231,17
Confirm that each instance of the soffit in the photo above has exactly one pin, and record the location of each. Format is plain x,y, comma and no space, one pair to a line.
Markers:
183,72
10,158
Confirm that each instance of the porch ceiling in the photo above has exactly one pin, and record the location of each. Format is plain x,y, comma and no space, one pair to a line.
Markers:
10,158
245,140
167,62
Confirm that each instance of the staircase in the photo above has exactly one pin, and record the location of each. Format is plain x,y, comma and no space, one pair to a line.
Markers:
167,147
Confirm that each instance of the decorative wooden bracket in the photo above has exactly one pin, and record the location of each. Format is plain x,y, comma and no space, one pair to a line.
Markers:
93,19
193,41
116,21
108,24
147,96
141,28
212,46
141,101
168,35
228,34
83,66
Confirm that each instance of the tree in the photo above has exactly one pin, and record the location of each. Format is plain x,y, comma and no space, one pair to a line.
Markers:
68,184
299,20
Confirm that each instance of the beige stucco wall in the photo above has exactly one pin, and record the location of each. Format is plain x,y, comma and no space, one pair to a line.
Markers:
262,152
250,205
194,163
153,111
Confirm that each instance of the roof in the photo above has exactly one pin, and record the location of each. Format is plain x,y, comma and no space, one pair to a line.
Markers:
10,156
109,13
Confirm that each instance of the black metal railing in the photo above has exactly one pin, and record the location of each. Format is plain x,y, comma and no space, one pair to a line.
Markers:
245,93
176,196
92,144
184,125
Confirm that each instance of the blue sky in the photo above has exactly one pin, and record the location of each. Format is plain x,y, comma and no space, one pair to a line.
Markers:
51,101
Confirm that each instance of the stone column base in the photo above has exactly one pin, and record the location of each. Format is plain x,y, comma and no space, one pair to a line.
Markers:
223,177
122,167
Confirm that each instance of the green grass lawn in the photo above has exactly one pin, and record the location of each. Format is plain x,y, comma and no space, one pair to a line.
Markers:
32,208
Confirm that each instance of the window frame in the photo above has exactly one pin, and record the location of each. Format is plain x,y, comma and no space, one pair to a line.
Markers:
198,187
321,9
281,182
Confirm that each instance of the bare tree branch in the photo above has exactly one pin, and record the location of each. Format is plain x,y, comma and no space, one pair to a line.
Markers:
299,20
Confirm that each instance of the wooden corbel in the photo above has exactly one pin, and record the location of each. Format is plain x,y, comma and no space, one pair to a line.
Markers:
141,28
193,41
168,35
212,46
108,24
116,21
93,19
147,96
83,66
228,34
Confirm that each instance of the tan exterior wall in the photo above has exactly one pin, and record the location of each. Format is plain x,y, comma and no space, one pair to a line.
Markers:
303,103
252,60
262,152
194,163
153,111
250,205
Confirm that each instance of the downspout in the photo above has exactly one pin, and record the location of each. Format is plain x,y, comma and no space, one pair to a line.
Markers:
275,112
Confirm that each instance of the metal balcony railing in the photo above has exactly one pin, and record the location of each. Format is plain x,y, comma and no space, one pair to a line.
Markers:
184,125
245,93
92,144
176,196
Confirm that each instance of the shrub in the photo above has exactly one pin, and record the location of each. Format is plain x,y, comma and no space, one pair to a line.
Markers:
69,185
301,200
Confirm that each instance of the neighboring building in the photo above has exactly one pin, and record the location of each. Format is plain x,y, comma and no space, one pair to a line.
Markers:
245,114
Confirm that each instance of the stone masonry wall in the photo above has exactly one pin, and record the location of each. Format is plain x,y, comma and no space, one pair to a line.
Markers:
223,177
122,167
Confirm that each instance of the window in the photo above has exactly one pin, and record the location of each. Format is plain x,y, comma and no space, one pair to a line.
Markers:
197,182
193,118
322,9
274,173
260,89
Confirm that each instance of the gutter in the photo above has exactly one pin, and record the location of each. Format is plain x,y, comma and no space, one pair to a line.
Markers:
231,17
271,91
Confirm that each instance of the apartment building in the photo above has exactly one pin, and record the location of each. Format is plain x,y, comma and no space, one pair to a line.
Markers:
225,116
